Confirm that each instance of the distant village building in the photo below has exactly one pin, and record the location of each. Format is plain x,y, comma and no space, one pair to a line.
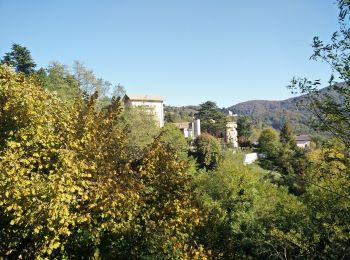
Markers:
193,130
303,141
156,103
190,129
231,136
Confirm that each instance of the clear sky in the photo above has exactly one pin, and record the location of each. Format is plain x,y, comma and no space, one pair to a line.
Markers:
188,51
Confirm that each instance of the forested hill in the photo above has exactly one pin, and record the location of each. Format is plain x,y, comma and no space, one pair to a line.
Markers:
275,113
262,112
179,114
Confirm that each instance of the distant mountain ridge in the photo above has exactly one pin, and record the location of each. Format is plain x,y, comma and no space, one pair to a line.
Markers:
275,113
267,112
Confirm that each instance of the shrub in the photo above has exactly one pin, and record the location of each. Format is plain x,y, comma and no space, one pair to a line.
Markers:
207,151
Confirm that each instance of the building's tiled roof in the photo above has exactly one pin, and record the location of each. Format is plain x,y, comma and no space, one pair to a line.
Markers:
302,138
143,97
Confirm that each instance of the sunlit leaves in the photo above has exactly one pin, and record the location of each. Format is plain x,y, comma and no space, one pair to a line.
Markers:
58,169
68,188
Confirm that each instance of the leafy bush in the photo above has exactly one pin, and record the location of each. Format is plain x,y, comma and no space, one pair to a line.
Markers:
172,136
69,190
141,125
207,151
246,216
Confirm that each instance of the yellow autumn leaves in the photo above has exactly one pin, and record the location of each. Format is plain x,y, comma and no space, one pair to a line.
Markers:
67,187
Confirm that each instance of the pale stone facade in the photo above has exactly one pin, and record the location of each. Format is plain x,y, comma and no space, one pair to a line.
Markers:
303,141
190,129
231,134
156,103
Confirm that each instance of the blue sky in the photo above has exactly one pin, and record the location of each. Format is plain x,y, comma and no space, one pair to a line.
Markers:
188,51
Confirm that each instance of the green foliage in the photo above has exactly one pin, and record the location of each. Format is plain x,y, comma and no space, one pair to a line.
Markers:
255,134
245,215
212,119
284,157
328,194
57,78
325,230
19,58
168,117
164,225
207,151
244,128
264,113
142,128
328,202
58,168
171,136
287,136
77,181
268,142
68,188
179,114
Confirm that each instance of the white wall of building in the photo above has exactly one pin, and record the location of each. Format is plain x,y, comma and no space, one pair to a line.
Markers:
156,106
196,128
250,158
303,144
190,129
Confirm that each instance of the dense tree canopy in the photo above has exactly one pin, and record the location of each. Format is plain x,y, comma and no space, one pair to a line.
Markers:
57,78
246,218
268,141
78,181
287,135
244,128
207,151
141,125
69,190
174,138
20,58
282,155
213,121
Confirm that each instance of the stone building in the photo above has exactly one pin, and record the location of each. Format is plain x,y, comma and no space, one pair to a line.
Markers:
190,129
231,134
303,141
155,103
